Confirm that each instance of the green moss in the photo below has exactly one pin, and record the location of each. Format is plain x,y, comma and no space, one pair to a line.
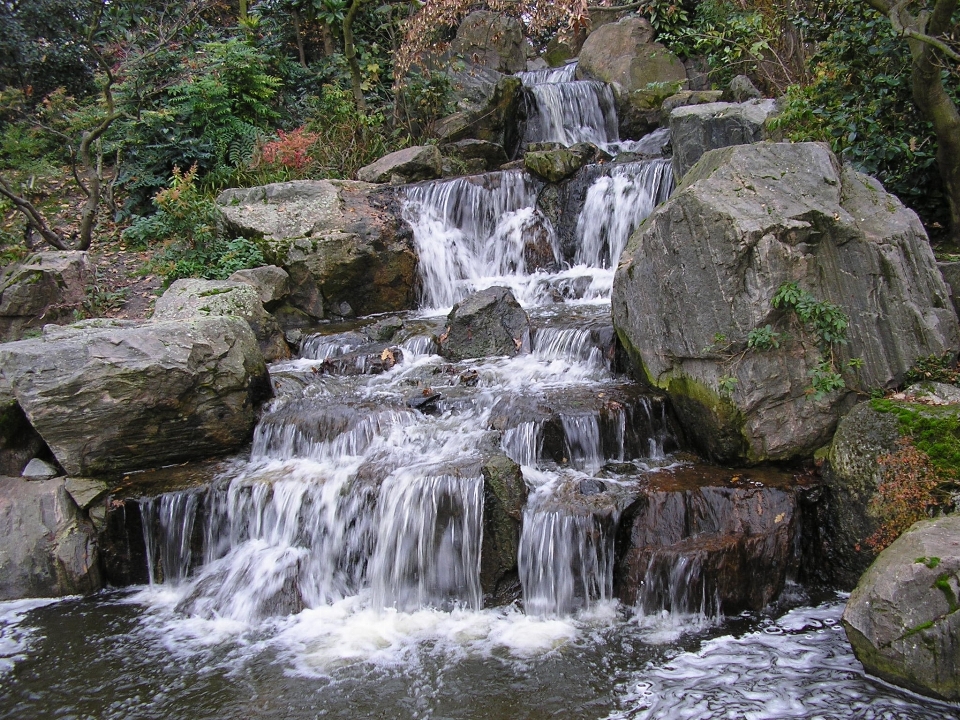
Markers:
214,291
942,584
919,628
930,562
935,430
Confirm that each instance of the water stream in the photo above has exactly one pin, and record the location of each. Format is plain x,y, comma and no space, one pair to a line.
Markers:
336,570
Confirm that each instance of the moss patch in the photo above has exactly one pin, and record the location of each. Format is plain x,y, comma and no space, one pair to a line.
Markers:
935,430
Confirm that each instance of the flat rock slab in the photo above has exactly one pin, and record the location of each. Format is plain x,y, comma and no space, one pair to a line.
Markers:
110,396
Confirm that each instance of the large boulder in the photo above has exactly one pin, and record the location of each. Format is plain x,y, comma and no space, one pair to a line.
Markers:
341,242
272,284
111,396
560,163
494,120
190,298
625,53
487,323
47,287
701,272
47,546
712,540
419,162
491,40
903,619
694,129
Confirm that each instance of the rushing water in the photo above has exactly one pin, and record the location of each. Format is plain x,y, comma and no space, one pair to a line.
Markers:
336,570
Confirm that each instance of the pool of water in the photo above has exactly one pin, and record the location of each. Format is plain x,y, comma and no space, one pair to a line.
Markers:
131,655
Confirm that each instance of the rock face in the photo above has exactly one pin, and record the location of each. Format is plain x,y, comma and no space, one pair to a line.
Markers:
111,396
420,162
951,276
902,619
491,40
47,287
47,547
191,298
346,251
700,274
694,129
624,53
495,119
487,323
685,544
472,156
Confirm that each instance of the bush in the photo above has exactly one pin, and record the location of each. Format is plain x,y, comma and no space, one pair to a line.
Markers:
186,226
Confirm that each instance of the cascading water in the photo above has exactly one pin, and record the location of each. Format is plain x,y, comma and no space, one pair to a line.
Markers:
342,569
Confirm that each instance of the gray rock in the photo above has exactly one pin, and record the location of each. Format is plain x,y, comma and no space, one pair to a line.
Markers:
339,241
625,53
741,89
694,129
38,469
47,547
111,396
188,298
86,491
902,619
487,323
494,121
951,276
271,283
690,97
491,40
420,162
933,393
47,287
482,154
707,263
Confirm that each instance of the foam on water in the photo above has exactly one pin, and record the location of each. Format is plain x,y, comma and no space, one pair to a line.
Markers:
16,635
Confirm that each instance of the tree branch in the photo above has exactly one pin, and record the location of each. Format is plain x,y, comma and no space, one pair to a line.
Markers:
33,216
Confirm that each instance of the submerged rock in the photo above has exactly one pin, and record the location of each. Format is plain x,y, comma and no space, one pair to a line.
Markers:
108,396
903,619
47,287
701,272
189,298
47,546
487,323
345,249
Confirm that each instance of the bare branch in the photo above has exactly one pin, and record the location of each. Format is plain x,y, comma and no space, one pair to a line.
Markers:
34,217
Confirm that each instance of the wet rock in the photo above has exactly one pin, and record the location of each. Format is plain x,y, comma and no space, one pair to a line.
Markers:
383,330
694,534
123,551
555,165
504,497
37,469
487,323
902,619
188,298
740,89
425,401
625,53
339,241
47,287
47,547
420,162
120,395
744,221
491,40
271,283
695,129
86,491
592,486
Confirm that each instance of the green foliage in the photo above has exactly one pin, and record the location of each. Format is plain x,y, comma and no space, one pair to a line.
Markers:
665,15
826,320
424,99
824,379
934,430
765,338
726,385
860,102
934,368
186,226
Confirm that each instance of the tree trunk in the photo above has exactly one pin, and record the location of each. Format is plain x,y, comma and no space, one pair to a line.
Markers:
932,99
296,30
350,52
